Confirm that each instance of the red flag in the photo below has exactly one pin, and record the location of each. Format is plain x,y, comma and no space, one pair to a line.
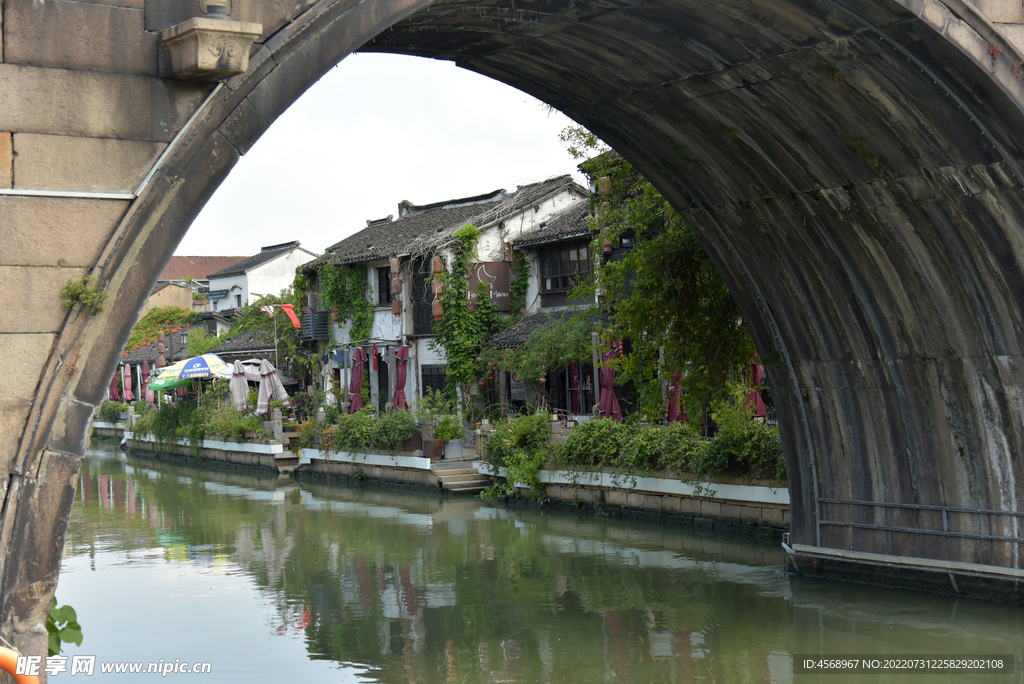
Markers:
287,308
290,310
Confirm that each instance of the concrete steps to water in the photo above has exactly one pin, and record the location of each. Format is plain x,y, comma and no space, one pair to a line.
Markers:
460,477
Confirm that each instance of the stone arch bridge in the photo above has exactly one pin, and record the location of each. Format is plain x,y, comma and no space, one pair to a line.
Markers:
853,166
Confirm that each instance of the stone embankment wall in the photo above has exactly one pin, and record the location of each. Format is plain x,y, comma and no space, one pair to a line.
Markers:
104,429
234,453
727,505
354,471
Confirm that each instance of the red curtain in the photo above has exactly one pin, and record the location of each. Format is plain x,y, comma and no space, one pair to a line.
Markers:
754,397
356,385
676,409
402,363
609,404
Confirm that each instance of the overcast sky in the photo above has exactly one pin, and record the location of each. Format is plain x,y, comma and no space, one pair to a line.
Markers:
378,129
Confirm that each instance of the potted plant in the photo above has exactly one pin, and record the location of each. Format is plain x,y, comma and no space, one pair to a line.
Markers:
428,411
449,430
433,448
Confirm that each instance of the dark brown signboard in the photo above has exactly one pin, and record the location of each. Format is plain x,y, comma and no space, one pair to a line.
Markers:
496,275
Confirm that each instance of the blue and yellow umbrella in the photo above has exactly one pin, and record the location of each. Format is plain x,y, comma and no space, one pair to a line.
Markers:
184,372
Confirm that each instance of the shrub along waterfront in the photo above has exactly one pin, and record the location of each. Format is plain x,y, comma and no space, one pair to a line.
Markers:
213,416
360,431
742,446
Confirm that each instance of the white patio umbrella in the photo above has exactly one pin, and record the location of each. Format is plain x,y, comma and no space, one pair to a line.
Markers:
327,374
239,386
271,388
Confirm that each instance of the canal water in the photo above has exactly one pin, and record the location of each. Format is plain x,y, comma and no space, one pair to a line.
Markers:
271,579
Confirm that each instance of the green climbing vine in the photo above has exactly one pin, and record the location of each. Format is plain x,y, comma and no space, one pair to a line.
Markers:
518,286
461,333
345,289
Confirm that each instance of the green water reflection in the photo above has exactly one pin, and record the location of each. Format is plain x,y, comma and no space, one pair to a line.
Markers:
399,587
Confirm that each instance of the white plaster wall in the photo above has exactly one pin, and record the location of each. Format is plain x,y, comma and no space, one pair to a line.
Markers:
275,275
491,246
529,220
429,357
386,326
240,282
533,282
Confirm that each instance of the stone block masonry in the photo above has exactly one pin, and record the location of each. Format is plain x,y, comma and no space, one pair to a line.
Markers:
79,35
6,161
58,162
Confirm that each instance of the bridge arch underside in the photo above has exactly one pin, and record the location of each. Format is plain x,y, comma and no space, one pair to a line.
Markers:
853,168
856,176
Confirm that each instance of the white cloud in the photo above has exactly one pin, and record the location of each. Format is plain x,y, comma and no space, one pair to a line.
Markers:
375,130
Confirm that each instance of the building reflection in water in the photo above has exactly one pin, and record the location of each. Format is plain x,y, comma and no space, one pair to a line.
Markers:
428,590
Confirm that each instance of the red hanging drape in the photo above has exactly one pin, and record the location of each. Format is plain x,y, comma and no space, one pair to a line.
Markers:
608,407
754,397
356,384
402,363
676,409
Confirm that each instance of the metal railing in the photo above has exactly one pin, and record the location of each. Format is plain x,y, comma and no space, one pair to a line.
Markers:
945,510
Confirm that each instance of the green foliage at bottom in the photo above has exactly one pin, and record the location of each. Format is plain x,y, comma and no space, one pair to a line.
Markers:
214,414
742,446
521,445
110,411
62,627
364,431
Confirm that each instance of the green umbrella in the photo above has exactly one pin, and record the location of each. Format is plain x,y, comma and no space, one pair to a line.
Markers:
158,384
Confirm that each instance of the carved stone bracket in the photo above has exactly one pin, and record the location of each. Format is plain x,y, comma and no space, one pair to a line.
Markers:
210,49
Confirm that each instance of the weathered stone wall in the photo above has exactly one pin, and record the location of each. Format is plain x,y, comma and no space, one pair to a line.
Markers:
760,520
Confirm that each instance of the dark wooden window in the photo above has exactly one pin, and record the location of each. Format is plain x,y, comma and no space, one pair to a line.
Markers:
563,266
422,298
384,286
433,377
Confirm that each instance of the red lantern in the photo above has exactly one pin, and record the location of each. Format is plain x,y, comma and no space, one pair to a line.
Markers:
396,307
438,287
436,265
438,309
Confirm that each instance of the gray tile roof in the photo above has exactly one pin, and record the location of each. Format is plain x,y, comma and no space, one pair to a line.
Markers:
422,228
252,341
148,353
571,222
527,196
516,335
266,254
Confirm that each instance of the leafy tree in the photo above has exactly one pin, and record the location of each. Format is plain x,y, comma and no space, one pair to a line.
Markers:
166,318
200,342
664,294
